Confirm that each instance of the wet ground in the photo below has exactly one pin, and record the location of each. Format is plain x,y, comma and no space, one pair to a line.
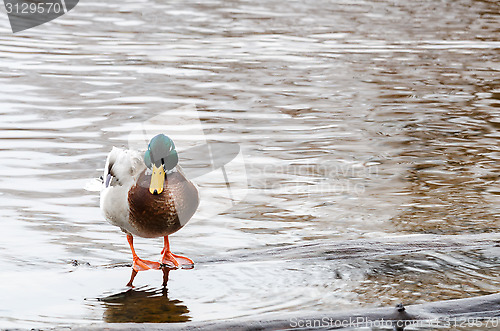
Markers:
357,121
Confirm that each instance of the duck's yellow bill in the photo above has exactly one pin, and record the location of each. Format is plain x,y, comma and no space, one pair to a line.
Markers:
157,180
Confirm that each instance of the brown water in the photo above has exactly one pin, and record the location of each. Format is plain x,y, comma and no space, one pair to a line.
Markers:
357,120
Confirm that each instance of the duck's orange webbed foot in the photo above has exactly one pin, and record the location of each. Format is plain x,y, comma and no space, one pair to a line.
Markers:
170,260
141,265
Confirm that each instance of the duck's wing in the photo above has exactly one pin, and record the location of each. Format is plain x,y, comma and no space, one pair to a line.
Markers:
122,167
121,171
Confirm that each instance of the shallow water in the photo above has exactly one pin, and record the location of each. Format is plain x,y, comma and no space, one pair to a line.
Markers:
356,120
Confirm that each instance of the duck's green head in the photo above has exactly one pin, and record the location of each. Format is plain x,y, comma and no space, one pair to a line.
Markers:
160,157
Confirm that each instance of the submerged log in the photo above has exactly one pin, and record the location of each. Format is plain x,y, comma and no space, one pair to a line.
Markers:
484,310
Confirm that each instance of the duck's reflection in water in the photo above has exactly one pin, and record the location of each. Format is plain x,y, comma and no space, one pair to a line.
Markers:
144,305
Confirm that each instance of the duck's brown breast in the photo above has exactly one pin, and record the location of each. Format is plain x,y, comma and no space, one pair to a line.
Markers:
162,214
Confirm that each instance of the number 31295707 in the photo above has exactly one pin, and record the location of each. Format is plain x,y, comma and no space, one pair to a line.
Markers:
32,8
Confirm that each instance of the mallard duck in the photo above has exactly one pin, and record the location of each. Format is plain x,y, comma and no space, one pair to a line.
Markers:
148,195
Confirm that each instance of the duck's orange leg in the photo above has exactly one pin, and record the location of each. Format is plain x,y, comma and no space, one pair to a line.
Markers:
171,260
140,264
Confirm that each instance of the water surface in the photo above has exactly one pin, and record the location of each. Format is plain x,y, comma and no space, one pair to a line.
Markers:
357,120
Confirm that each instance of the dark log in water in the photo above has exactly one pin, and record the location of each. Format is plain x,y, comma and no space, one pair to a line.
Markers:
447,313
